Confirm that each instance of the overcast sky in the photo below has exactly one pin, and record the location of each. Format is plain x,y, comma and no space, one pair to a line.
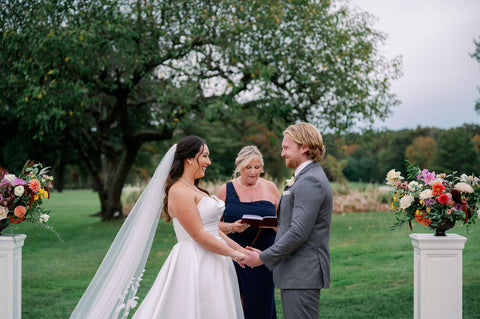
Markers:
440,79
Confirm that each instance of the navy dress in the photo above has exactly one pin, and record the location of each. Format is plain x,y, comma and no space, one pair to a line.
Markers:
256,285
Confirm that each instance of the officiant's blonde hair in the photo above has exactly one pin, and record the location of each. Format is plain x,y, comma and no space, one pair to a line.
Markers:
308,135
244,157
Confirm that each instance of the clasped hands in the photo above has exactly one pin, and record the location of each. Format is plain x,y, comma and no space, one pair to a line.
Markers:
250,257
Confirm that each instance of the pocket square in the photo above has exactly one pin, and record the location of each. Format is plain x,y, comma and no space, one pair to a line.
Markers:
285,193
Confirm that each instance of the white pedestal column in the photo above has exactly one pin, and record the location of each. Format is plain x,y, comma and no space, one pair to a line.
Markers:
11,273
437,276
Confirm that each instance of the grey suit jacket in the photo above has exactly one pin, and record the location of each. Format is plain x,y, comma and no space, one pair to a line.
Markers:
300,257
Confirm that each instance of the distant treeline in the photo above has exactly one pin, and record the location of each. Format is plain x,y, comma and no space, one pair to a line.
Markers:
369,156
365,157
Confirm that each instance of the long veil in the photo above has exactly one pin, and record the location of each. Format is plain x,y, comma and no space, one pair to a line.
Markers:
111,293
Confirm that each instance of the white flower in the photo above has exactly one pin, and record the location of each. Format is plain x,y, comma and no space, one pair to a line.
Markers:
406,201
464,178
3,212
10,178
19,190
44,218
392,176
413,186
463,187
289,182
478,213
426,194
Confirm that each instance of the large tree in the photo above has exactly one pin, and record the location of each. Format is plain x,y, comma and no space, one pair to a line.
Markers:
112,75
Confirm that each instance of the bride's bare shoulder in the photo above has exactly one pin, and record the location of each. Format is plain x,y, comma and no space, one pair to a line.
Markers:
179,190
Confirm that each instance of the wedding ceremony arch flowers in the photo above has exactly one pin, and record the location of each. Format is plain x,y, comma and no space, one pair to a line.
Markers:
21,196
434,200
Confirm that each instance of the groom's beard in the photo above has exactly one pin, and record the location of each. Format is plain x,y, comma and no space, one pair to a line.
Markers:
292,163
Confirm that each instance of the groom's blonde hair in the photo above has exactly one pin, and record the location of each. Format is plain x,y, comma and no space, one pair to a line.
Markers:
307,135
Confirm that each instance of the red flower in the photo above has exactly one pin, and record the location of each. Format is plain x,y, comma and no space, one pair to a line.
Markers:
15,220
437,189
443,199
421,219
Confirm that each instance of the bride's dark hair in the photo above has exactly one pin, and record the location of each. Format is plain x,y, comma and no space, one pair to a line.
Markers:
187,147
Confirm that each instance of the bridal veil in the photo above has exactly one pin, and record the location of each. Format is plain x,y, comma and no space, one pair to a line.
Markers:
112,291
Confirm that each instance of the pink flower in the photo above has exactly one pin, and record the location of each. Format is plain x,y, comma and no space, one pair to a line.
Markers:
34,185
20,211
426,176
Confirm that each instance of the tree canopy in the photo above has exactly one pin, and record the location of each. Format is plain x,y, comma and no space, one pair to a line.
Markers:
112,75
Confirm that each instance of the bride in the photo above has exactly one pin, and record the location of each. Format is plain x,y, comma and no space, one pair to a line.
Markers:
198,278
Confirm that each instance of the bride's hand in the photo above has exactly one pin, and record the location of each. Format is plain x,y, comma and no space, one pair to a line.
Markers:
239,257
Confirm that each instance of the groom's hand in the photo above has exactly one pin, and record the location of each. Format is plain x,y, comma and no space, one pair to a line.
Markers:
252,259
258,251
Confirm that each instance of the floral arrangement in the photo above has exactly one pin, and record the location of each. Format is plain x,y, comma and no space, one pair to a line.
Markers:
433,200
21,197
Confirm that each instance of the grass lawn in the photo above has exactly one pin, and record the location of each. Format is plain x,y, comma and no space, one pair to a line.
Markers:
372,267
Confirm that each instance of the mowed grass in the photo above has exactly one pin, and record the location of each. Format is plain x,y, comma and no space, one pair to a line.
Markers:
372,267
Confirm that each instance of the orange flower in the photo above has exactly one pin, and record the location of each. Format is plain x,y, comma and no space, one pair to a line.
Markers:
421,219
34,185
19,211
437,189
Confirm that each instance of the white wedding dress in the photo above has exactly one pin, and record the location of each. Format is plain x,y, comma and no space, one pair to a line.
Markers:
194,283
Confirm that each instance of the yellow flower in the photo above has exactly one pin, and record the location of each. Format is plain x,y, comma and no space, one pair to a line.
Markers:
42,193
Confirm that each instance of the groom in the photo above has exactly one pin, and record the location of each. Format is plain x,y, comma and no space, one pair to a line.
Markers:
300,258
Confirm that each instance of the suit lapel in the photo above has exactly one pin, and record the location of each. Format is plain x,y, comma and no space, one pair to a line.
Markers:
286,188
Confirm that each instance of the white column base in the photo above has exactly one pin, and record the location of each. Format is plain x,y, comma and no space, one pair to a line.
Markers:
437,276
11,272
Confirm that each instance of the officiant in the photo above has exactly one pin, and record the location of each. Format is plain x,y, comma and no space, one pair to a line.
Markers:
248,193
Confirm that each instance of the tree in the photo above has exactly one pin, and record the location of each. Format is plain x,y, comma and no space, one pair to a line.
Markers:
420,152
110,76
454,151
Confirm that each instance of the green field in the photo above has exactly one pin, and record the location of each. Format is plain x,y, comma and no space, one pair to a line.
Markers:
372,267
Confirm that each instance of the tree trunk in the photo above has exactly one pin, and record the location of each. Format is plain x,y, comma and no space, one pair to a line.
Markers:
60,174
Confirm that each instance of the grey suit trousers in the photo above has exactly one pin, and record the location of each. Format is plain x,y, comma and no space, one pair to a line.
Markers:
301,303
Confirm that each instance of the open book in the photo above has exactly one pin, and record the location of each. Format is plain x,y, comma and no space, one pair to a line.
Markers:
259,221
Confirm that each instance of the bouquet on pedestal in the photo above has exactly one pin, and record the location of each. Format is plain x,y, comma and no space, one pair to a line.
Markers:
21,196
434,200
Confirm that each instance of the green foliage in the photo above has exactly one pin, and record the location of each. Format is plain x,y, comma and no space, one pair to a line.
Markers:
420,151
334,168
454,151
